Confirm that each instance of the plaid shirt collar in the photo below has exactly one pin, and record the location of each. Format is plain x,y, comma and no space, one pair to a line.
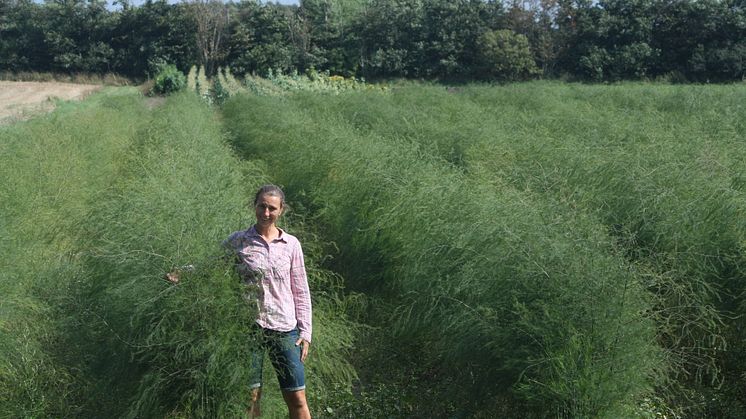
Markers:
251,232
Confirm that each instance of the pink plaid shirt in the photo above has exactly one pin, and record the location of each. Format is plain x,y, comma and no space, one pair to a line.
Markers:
275,275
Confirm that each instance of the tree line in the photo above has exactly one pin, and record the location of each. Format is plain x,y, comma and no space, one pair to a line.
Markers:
680,40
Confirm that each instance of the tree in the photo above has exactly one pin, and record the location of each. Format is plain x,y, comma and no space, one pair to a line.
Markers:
211,18
300,27
151,35
505,55
260,38
322,26
536,19
21,37
701,40
609,40
451,32
75,36
391,38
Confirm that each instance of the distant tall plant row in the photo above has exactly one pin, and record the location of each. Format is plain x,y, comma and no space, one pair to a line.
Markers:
93,217
687,40
223,85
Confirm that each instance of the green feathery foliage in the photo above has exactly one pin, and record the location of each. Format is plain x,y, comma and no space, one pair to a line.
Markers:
658,166
512,294
53,166
156,349
93,216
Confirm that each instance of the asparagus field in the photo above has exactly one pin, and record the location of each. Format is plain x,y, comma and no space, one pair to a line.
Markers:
95,216
529,250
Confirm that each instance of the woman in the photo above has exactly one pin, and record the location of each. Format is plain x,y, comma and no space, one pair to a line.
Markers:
270,262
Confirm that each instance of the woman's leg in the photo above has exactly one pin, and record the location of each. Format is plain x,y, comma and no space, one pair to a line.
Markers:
285,357
297,406
255,410
256,358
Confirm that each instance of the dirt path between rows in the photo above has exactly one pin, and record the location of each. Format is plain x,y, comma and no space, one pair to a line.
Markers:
21,100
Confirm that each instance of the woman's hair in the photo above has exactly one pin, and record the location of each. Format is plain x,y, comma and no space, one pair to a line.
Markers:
271,190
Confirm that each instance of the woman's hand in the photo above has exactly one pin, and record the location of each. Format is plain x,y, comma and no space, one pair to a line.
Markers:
304,344
173,276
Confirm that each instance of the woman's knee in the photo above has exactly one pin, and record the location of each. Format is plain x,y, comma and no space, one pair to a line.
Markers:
295,399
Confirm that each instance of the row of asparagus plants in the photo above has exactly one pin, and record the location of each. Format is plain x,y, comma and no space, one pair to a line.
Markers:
52,168
528,307
659,166
181,350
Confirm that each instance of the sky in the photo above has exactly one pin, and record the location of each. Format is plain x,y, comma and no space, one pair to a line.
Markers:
110,3
139,2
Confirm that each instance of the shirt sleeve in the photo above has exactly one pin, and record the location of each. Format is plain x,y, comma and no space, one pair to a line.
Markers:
301,293
228,245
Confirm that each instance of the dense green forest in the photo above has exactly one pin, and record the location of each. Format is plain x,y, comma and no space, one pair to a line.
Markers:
677,40
531,250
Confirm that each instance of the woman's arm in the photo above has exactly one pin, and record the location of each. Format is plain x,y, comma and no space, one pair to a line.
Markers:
174,275
301,299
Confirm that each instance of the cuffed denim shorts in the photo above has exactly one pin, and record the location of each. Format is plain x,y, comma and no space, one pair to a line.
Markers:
284,355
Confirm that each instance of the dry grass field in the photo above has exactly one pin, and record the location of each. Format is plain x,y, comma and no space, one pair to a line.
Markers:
20,100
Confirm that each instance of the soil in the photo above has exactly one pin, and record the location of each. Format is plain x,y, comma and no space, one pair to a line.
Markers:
154,102
22,100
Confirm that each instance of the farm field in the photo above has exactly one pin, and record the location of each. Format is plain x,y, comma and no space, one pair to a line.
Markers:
21,100
528,250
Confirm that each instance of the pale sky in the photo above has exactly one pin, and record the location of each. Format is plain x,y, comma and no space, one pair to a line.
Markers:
110,5
139,2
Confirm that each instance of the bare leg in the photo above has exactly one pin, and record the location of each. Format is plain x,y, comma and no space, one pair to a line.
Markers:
297,406
255,411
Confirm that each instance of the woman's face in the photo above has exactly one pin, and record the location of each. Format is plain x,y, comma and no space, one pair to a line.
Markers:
268,209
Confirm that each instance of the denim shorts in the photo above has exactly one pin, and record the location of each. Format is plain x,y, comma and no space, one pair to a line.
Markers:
284,355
